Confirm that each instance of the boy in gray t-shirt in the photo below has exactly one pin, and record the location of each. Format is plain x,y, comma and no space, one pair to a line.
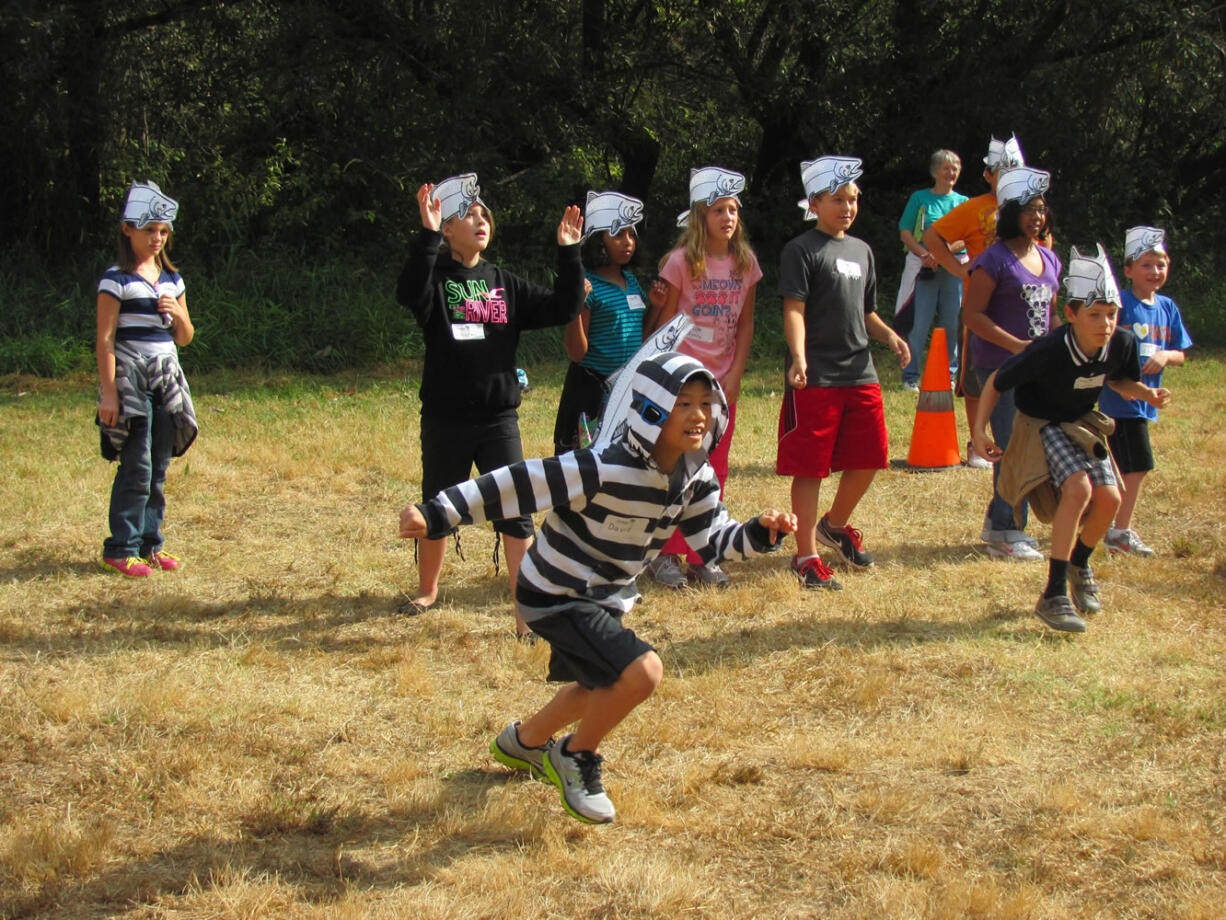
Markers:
832,418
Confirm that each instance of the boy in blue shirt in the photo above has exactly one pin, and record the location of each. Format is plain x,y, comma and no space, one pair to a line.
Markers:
1156,322
1058,440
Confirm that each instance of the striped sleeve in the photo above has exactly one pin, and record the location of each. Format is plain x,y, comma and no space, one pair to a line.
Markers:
511,491
714,535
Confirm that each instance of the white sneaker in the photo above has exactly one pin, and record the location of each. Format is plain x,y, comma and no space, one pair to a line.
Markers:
973,460
1126,542
578,778
666,569
1015,551
710,575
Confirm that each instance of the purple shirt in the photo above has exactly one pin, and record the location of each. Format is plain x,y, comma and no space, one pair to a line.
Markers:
1021,303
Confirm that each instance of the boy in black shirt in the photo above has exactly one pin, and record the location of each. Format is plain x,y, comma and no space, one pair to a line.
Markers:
1058,378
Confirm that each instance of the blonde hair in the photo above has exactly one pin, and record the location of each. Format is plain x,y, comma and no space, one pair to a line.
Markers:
693,242
940,158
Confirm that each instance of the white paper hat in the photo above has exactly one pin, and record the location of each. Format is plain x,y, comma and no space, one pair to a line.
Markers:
457,194
1141,240
1004,154
827,174
1090,279
146,204
1021,185
710,184
611,212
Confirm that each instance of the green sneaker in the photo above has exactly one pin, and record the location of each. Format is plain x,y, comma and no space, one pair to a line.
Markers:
509,751
577,777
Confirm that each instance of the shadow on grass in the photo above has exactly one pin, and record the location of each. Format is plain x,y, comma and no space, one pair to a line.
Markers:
315,853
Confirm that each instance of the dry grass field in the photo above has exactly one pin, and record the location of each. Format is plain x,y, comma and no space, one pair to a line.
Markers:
260,736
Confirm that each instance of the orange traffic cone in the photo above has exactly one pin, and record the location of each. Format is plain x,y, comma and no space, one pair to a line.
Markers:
934,439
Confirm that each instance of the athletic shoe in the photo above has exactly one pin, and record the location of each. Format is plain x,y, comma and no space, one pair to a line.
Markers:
973,460
813,573
848,543
1084,590
912,385
577,777
666,569
1020,536
1013,550
1058,613
162,560
132,566
1127,542
509,751
710,575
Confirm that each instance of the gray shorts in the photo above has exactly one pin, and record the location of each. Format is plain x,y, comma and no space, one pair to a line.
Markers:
588,645
1065,457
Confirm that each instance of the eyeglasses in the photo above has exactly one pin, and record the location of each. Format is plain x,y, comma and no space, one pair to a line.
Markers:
651,413
1038,210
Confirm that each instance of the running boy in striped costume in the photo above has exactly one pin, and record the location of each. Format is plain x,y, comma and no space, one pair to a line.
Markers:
611,511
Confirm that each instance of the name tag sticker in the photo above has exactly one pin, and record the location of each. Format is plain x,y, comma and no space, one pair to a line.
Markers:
1089,383
467,332
1148,349
702,334
635,302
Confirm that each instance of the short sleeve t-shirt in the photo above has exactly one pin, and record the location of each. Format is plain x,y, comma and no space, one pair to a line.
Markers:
836,279
616,328
714,303
1158,327
925,207
973,222
139,321
1057,381
1021,303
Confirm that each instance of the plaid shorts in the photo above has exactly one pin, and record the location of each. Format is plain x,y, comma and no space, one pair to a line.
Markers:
1065,457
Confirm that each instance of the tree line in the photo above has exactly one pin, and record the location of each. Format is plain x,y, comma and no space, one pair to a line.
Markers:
295,133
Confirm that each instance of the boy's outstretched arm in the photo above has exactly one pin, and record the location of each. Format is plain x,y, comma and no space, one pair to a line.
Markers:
777,522
1159,398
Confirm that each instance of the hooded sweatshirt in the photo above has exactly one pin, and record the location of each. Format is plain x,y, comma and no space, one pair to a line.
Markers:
611,508
471,319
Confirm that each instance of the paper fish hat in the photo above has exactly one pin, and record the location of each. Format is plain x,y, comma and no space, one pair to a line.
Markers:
457,194
1141,240
1090,279
710,184
827,174
1021,185
611,212
146,204
1004,154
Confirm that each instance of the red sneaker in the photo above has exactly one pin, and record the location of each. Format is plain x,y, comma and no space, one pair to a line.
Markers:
163,561
132,566
813,573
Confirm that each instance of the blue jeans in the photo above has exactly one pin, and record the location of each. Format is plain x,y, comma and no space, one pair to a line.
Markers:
1000,512
138,502
939,296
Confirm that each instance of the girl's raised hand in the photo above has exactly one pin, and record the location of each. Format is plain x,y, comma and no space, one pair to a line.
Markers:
570,230
431,208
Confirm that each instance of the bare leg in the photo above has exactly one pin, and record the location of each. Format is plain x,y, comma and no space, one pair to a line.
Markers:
1075,494
1130,491
516,547
805,494
852,486
607,706
567,706
1104,502
429,567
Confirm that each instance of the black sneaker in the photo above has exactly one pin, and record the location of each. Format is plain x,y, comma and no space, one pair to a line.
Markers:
847,543
813,573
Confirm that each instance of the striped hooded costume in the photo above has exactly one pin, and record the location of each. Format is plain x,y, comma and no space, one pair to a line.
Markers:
611,508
